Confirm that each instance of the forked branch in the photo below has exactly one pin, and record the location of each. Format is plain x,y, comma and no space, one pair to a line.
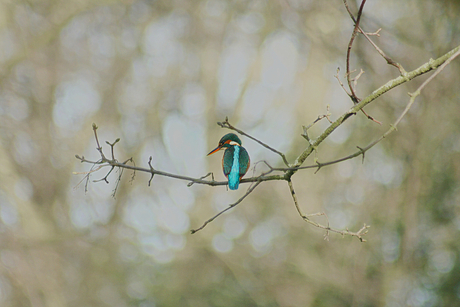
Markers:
226,124
359,234
376,33
249,191
287,172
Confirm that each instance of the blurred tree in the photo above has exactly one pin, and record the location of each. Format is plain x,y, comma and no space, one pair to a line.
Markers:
159,74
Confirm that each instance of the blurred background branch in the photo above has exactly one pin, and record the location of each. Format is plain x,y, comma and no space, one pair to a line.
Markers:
442,62
158,75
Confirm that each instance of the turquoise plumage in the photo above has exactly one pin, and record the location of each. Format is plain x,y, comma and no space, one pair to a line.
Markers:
235,162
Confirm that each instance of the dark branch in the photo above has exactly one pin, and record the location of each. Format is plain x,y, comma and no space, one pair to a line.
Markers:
380,51
228,208
359,234
432,64
226,124
114,163
352,93
350,44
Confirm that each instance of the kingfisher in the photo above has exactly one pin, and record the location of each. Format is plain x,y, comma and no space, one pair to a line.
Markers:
235,161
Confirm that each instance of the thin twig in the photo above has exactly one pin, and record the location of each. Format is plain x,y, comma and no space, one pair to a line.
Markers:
180,177
117,182
226,209
359,234
87,175
352,93
376,33
105,177
111,146
431,65
320,117
350,44
99,148
392,128
202,177
355,79
340,82
152,170
88,172
440,63
226,124
114,163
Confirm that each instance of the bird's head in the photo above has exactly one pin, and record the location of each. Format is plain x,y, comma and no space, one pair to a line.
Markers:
226,141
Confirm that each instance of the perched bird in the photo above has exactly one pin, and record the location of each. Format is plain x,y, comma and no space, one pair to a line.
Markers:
235,161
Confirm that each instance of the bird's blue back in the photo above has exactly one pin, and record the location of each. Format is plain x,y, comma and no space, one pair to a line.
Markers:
235,164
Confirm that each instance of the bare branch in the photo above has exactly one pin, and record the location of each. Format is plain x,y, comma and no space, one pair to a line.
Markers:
440,63
105,177
111,147
99,148
427,67
376,33
355,79
431,65
392,128
350,44
226,124
228,208
152,170
320,117
359,234
114,163
340,82
205,176
352,93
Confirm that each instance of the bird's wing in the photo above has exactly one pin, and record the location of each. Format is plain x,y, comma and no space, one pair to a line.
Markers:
227,161
245,161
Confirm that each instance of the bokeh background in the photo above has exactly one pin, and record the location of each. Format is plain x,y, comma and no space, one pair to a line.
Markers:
159,75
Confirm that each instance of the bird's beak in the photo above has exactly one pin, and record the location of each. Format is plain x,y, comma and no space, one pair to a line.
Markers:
215,150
